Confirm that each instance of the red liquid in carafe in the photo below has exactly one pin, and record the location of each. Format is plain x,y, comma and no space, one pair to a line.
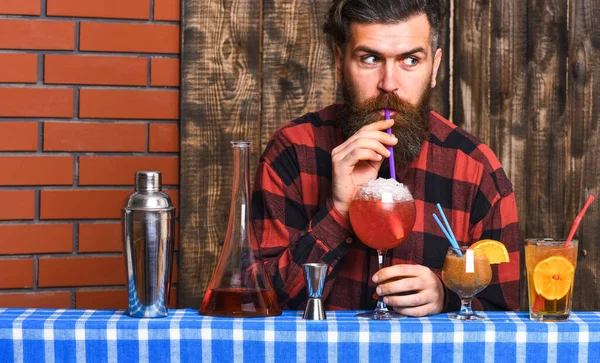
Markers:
240,302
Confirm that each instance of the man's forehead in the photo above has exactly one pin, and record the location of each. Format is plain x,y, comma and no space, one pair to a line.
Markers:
412,31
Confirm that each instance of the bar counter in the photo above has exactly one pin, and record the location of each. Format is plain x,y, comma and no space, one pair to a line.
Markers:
47,335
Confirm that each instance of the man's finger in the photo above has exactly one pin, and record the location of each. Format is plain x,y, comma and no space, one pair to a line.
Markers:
371,144
358,155
379,125
406,301
380,136
373,130
400,285
402,270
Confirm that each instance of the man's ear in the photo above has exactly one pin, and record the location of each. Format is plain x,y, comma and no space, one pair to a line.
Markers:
437,59
339,61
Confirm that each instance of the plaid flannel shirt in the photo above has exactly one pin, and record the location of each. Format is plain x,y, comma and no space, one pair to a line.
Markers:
295,221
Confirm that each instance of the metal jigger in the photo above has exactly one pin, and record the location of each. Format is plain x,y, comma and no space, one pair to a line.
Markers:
314,277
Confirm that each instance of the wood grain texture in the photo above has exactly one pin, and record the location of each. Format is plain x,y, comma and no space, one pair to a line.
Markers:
583,164
221,103
508,100
509,87
547,132
298,72
471,67
440,101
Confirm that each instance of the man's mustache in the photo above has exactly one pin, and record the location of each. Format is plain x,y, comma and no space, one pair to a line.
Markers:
384,101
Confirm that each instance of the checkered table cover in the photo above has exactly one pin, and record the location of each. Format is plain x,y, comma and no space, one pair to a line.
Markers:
44,335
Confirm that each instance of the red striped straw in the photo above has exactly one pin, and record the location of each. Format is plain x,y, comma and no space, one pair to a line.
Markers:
578,220
391,149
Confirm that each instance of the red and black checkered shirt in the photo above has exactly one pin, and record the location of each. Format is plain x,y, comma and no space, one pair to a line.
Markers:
295,221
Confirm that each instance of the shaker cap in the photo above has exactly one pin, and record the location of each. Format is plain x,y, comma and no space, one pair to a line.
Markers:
148,180
148,194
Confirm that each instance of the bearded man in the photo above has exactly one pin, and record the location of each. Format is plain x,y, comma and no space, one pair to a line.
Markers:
386,58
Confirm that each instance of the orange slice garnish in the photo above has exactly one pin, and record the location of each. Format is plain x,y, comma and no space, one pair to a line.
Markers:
553,277
492,249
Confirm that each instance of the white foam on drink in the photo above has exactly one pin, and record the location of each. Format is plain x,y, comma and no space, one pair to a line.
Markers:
386,190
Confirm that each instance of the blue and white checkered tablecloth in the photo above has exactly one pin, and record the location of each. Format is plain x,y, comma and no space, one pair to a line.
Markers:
43,335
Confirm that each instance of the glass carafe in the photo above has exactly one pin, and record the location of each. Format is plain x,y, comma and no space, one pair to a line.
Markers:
239,286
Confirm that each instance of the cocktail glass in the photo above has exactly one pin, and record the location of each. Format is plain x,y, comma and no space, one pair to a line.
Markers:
550,278
466,274
382,215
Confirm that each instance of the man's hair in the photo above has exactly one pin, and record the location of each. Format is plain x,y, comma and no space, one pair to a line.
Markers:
344,12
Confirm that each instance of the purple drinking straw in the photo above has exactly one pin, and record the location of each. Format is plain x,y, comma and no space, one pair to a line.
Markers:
391,149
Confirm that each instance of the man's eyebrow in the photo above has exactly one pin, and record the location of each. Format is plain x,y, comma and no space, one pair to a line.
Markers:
362,48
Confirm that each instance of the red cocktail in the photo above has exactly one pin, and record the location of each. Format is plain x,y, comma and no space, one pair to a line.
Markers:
382,215
382,226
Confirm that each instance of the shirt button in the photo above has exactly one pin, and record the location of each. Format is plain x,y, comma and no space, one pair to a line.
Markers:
349,240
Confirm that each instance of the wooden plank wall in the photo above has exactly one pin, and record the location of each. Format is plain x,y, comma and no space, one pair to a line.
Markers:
221,102
524,76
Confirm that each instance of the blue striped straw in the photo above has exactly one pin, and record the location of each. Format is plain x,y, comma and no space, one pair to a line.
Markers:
439,207
448,233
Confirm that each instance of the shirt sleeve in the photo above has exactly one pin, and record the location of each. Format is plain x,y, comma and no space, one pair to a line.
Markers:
290,232
499,222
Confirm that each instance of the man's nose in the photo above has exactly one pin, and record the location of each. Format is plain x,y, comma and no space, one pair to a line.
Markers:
388,82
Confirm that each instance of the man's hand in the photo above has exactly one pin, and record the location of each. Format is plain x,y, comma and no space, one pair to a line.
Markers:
357,160
427,295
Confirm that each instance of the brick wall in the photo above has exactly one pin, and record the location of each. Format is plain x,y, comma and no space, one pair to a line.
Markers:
89,93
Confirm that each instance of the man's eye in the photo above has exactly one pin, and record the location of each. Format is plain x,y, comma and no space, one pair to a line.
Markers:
369,59
410,61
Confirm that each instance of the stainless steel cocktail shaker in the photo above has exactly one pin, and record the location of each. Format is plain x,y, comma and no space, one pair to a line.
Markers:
148,230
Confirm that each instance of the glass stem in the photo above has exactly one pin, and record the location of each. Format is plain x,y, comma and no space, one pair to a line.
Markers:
465,308
381,306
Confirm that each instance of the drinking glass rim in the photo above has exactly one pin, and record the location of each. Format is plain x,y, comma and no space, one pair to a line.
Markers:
460,248
359,195
549,242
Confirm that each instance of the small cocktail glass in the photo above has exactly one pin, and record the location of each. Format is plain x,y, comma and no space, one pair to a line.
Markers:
466,274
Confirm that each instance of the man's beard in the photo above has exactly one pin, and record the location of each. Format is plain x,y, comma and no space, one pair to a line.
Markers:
410,122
